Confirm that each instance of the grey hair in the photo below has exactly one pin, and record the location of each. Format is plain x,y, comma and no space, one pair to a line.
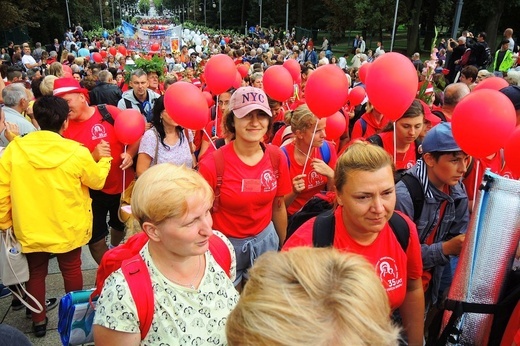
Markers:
138,73
105,76
13,93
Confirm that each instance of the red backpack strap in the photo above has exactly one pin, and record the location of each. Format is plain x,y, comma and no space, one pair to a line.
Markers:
219,165
220,252
138,278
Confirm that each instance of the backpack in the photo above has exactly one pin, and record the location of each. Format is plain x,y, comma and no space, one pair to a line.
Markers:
486,58
105,114
440,115
324,152
324,227
220,163
464,60
324,201
126,256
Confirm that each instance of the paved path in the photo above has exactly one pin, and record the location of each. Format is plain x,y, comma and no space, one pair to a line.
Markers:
54,286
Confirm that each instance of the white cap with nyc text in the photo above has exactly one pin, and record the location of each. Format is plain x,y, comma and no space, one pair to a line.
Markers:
247,99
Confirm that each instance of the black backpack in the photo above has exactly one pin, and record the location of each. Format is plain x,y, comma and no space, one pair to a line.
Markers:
323,230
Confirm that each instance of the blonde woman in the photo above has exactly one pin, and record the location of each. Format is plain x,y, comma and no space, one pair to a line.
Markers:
319,164
312,297
365,195
56,69
192,294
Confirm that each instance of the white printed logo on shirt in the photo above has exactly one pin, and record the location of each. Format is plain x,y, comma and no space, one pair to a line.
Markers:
268,180
98,132
389,274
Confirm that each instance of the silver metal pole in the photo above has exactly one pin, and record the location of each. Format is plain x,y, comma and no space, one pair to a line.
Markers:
260,4
220,10
68,14
113,15
205,13
101,12
287,17
456,20
395,23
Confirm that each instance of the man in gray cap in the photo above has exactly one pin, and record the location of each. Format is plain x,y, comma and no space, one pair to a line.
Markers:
434,198
513,93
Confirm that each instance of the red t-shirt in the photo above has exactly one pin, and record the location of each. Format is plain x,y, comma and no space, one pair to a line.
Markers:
403,160
247,192
372,127
89,133
495,165
314,182
393,266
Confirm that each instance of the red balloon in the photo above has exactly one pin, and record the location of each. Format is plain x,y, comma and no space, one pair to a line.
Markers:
122,50
511,152
363,71
391,85
186,105
112,50
294,68
97,57
495,83
155,47
326,90
129,126
238,80
243,70
481,128
220,73
335,126
103,53
209,98
278,83
356,96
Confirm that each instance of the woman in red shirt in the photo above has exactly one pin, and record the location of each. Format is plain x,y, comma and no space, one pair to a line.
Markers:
319,165
364,180
407,129
249,203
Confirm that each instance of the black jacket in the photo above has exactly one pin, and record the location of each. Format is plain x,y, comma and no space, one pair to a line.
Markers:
105,93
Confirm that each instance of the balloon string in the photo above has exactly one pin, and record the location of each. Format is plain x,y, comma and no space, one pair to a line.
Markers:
216,119
124,173
310,147
395,146
477,182
210,139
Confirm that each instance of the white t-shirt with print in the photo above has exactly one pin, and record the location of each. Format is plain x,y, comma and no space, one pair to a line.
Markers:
182,316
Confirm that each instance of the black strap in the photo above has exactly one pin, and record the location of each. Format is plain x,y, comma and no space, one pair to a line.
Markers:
363,126
128,104
324,227
401,230
105,114
416,193
220,142
375,139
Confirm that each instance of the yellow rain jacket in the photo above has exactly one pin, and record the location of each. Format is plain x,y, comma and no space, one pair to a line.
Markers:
44,181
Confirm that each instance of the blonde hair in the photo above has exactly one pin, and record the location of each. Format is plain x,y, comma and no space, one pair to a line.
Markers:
302,118
312,296
161,192
47,85
360,156
56,69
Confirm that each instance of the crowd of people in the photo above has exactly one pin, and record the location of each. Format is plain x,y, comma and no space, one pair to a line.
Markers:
248,175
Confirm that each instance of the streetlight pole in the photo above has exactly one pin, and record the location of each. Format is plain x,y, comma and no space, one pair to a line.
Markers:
287,17
395,22
68,14
260,4
205,13
113,15
457,18
220,10
101,12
